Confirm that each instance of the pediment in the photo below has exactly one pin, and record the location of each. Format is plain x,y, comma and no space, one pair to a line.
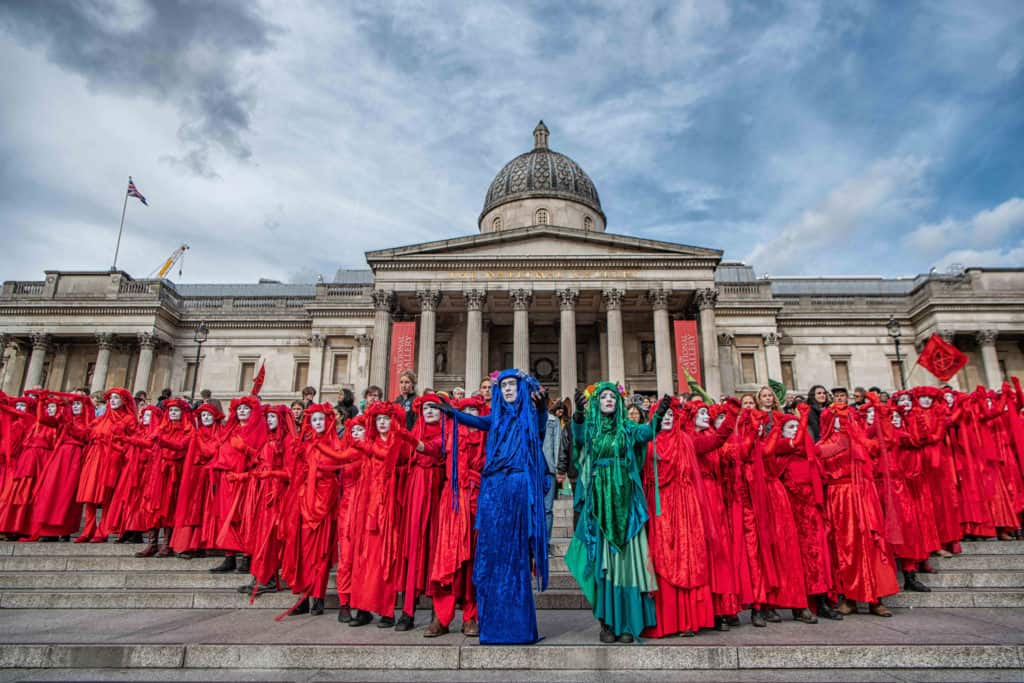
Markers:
544,242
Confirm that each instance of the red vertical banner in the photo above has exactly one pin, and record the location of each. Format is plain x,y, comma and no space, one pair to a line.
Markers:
403,354
687,353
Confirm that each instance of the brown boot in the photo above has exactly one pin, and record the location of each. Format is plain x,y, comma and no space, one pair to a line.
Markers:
150,549
471,629
880,610
435,629
847,607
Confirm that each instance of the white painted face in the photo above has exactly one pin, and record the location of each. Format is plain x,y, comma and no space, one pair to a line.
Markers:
243,412
471,410
383,424
76,407
871,415
897,420
789,429
272,421
206,419
949,398
431,413
719,420
51,409
147,417
21,406
702,419
358,432
924,401
667,421
510,389
836,424
607,402
988,402
318,421
174,414
115,401
905,402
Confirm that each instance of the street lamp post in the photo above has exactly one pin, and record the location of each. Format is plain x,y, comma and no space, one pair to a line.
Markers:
201,334
893,326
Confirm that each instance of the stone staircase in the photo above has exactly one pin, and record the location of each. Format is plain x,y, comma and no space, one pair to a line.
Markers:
972,625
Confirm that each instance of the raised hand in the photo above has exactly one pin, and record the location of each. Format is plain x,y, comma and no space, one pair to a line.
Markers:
581,405
662,409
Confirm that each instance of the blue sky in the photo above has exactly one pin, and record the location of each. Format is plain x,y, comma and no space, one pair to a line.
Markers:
284,140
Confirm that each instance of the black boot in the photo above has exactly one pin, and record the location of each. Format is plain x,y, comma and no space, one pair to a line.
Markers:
757,618
805,615
912,583
228,565
344,614
360,618
243,565
607,635
771,616
386,622
405,623
826,610
303,608
721,624
246,589
317,608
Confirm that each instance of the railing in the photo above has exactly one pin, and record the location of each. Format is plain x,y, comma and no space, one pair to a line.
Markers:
333,290
739,289
29,288
134,287
203,303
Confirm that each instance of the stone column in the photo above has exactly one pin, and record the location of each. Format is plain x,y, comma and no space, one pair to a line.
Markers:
315,373
429,301
40,347
14,365
658,299
989,359
147,345
475,300
706,300
383,303
725,362
612,299
772,358
362,375
105,340
567,299
521,300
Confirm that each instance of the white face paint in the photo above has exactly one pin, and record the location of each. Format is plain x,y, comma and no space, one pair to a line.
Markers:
471,410
719,420
206,419
949,398
905,402
115,401
988,402
607,402
789,429
76,407
924,401
147,417
431,413
51,409
318,421
897,420
871,415
703,418
510,389
272,421
836,423
21,406
383,424
358,432
243,412
667,421
174,414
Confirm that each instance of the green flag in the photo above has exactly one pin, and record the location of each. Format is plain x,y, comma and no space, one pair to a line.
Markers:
779,389
697,389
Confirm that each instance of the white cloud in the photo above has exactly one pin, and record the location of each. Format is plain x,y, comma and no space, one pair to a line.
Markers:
1010,257
961,239
933,237
990,226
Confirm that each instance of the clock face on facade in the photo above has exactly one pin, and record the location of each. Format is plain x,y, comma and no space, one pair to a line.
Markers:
544,369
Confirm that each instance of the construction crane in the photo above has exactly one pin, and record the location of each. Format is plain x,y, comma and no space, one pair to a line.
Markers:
175,257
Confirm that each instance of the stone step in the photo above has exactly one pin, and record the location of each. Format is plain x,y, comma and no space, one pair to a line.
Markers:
993,547
978,562
974,579
946,597
475,658
105,563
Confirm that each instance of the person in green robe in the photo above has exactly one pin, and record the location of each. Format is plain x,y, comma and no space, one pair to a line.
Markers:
608,555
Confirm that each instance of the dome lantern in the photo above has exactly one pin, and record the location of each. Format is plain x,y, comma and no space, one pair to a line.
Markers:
540,136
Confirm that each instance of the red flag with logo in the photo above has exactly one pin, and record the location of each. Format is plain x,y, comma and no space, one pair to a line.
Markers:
687,353
941,358
403,354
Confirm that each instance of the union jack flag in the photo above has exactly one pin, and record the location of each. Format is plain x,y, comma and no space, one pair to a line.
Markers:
134,192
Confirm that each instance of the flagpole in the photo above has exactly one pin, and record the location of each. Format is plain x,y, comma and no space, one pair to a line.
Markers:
120,229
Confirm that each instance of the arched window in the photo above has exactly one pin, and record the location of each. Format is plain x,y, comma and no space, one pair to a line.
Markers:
496,223
541,217
588,223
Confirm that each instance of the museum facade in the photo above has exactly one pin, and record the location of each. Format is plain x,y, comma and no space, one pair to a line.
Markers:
542,287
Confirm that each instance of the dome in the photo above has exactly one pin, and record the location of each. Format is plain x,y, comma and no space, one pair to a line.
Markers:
542,173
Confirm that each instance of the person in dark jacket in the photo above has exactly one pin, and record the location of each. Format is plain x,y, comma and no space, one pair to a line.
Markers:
817,399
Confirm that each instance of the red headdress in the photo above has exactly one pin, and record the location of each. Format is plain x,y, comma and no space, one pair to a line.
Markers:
392,410
358,421
477,402
285,422
155,415
328,411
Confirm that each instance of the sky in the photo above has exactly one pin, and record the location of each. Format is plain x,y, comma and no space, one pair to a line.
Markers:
283,140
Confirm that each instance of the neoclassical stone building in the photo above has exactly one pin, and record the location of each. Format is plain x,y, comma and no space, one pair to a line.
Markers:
543,286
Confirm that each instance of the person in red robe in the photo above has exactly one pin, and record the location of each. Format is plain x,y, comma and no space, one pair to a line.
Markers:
194,491
17,415
126,511
104,459
309,549
376,575
1008,435
927,424
680,530
243,437
975,517
352,459
451,565
795,457
424,477
160,490
864,567
36,451
56,513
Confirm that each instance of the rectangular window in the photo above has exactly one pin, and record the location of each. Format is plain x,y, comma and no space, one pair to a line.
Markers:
749,368
843,373
339,373
190,375
301,377
246,375
787,374
897,384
